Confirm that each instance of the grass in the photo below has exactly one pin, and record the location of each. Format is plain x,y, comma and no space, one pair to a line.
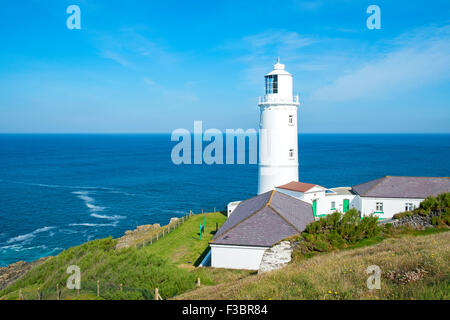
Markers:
342,274
166,264
183,245
169,264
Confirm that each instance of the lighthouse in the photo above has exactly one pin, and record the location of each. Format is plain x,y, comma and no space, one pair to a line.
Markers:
278,134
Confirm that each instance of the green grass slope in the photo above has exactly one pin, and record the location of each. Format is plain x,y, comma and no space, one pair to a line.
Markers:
167,264
415,266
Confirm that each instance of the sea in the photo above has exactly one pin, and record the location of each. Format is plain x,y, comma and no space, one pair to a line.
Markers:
60,190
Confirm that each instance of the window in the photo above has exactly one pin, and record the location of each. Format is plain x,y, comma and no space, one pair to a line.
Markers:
291,153
333,205
379,207
271,84
409,206
291,120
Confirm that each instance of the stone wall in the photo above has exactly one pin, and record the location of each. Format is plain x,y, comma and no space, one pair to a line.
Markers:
415,221
132,237
276,257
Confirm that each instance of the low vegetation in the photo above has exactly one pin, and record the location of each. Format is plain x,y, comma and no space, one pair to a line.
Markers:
329,262
413,267
167,264
337,231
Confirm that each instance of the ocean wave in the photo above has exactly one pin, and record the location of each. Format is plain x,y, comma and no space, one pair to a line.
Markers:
57,186
102,216
87,224
88,201
28,236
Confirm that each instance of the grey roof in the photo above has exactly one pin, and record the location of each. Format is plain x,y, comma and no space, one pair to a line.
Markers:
341,191
264,220
403,187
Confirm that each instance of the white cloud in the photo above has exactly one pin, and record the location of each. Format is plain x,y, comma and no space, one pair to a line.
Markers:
419,58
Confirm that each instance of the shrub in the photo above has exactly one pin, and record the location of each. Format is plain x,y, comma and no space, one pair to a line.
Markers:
337,230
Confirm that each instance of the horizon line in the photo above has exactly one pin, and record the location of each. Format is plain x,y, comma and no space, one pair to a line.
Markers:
168,133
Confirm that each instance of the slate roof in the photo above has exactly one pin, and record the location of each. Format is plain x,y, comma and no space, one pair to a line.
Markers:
264,220
297,186
403,187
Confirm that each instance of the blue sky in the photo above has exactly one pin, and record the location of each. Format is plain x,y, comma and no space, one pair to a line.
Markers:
154,66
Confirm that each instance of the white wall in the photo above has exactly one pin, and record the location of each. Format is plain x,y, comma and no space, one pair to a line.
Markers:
324,204
391,206
231,206
236,257
323,201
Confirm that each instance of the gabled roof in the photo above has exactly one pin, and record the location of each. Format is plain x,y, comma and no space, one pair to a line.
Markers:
403,187
298,186
264,220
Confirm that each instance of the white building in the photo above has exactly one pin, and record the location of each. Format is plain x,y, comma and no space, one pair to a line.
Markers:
382,197
389,195
256,225
278,155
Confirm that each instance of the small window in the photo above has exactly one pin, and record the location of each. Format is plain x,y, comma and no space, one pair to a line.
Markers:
333,205
271,85
291,120
409,206
291,153
379,207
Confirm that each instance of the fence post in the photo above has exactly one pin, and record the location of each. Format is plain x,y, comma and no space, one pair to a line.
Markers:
57,291
121,287
39,293
198,282
157,235
214,209
20,295
98,288
156,294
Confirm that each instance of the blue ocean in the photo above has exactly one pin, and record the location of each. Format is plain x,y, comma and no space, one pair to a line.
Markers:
58,191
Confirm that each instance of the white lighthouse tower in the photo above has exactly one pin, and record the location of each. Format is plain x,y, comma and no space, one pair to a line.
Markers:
278,154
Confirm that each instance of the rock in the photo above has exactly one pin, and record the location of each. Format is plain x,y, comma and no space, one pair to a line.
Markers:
16,270
132,237
173,220
415,221
276,257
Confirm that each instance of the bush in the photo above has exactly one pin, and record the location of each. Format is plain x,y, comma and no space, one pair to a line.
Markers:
338,230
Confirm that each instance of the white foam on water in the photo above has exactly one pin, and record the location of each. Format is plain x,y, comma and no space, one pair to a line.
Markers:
28,236
88,201
87,224
56,185
102,216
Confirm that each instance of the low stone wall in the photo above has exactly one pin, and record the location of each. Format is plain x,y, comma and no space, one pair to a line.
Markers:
276,257
140,233
415,221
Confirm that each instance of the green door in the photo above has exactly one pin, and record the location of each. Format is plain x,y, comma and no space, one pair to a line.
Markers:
346,205
314,207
